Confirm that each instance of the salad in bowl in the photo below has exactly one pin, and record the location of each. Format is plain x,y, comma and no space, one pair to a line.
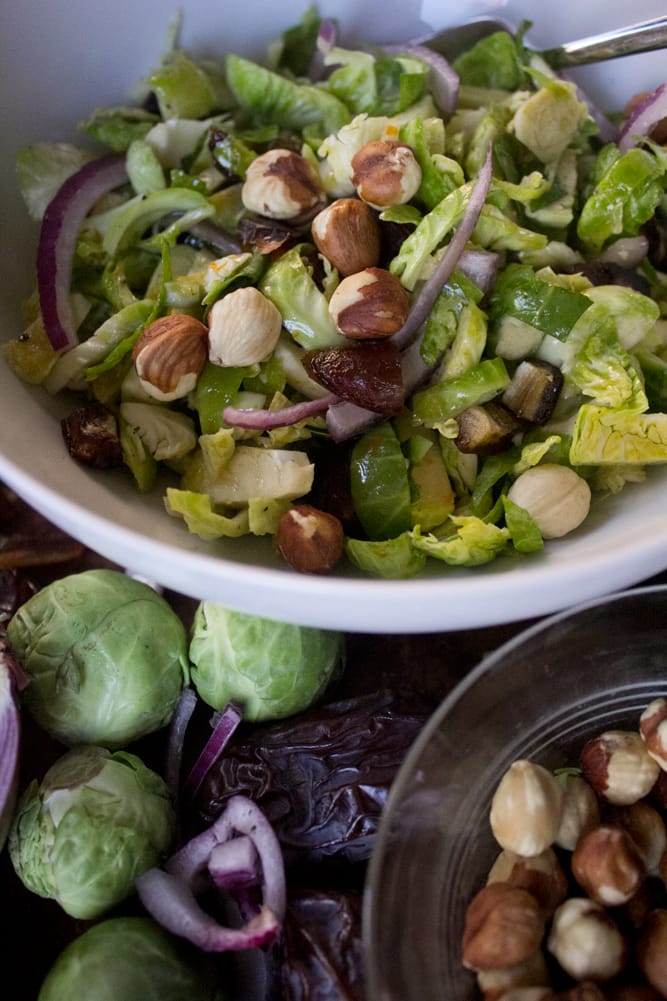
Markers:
390,312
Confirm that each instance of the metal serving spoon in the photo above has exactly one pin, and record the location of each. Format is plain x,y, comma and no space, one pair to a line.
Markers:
646,36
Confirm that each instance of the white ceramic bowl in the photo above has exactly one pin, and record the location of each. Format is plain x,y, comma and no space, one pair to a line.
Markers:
60,60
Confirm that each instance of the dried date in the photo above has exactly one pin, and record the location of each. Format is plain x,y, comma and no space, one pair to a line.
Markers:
368,374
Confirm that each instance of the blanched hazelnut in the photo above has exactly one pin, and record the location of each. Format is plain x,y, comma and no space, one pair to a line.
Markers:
504,925
312,541
542,875
526,808
369,305
607,865
581,811
586,940
618,766
282,184
556,497
653,729
385,172
347,232
652,950
244,327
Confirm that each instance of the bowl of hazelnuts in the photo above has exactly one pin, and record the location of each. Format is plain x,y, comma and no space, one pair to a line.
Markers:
523,850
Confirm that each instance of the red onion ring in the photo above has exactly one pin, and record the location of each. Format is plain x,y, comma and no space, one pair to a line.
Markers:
229,719
644,116
265,420
443,79
62,221
169,894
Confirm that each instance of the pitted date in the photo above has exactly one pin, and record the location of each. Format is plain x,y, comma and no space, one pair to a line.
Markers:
322,779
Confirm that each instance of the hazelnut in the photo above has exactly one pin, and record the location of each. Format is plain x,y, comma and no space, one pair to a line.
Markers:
385,172
347,232
502,982
651,950
556,497
521,993
312,541
646,828
170,355
618,766
370,304
542,875
586,940
244,327
653,729
282,184
526,809
581,811
607,866
504,925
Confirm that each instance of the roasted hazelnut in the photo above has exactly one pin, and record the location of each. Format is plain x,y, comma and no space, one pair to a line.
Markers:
244,327
581,811
607,866
542,875
347,232
170,355
526,808
501,983
521,993
556,497
646,828
504,925
586,940
618,766
385,172
282,184
370,304
653,729
651,950
310,540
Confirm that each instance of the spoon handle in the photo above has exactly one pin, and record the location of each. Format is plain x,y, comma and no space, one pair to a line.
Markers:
643,37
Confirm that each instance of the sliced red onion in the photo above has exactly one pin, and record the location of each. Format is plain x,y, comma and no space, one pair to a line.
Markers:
481,267
225,726
234,864
10,736
169,896
176,740
647,113
327,37
346,420
62,221
265,420
443,79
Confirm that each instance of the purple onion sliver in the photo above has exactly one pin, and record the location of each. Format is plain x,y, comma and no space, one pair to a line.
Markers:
644,116
234,864
176,739
227,723
62,221
443,79
481,267
264,420
173,905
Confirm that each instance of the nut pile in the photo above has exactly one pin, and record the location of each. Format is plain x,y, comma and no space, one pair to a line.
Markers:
575,904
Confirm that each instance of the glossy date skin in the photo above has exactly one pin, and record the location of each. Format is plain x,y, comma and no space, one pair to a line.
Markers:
322,778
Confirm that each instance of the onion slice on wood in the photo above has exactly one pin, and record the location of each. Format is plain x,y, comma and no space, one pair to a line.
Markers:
10,735
169,894
62,221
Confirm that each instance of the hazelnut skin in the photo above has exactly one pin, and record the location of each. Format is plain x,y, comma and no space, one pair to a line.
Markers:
369,305
310,540
385,172
347,233
504,925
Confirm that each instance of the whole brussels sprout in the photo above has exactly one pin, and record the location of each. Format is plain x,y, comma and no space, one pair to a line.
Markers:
271,669
96,821
106,656
132,959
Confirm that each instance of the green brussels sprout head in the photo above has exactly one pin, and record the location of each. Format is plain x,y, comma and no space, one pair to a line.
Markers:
271,669
106,656
129,958
97,821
